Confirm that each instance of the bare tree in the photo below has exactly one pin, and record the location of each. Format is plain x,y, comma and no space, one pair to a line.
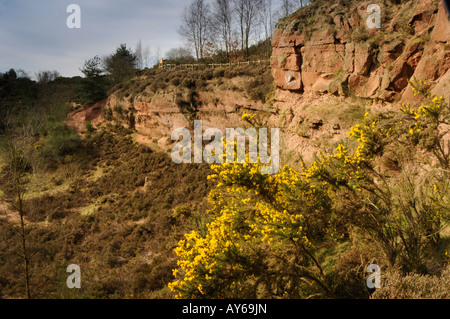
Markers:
247,14
287,7
180,55
304,3
268,23
22,162
18,178
138,52
146,53
142,56
222,23
196,26
47,76
23,74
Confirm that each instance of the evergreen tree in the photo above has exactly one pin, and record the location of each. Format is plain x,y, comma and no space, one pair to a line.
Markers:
121,65
94,86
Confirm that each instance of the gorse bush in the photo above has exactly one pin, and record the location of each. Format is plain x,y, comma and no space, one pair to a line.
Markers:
268,232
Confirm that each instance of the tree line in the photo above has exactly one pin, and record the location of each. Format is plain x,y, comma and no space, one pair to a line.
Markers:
227,26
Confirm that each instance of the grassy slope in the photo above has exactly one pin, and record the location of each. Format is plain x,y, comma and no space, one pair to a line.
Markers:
94,207
93,210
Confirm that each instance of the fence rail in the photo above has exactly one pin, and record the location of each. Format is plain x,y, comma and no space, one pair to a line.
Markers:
211,65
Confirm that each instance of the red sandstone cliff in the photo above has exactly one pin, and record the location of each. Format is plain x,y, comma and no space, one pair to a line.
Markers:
331,49
329,69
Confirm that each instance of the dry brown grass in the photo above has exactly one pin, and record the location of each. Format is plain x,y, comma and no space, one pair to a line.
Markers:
102,219
415,286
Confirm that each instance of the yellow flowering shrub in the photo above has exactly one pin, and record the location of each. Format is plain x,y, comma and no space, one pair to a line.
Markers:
266,230
257,219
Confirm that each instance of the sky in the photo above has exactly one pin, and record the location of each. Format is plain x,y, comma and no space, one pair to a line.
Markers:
34,35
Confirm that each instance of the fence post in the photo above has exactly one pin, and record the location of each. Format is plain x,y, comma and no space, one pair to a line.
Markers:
211,65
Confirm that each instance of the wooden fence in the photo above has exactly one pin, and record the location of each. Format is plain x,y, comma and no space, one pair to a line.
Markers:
206,65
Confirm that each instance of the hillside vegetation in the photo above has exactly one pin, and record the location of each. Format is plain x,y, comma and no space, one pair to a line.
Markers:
382,197
119,209
115,208
86,177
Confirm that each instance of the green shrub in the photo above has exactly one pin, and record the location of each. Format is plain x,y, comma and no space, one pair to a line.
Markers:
89,127
61,145
61,140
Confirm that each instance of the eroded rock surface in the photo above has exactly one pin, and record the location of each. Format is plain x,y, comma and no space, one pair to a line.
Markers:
339,54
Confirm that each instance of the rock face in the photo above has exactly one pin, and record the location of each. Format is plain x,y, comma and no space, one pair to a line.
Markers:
340,54
322,55
158,115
